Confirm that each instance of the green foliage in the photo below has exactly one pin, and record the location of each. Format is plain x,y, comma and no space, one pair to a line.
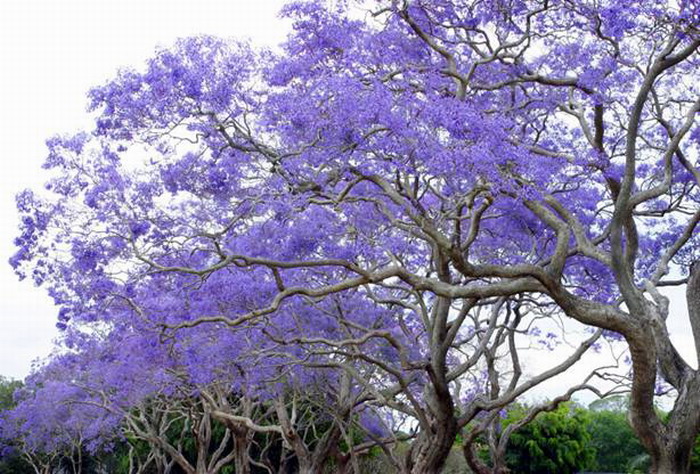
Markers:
14,464
120,455
614,441
10,460
551,441
613,403
7,389
555,442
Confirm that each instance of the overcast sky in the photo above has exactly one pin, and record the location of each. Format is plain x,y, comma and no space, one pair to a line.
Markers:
51,53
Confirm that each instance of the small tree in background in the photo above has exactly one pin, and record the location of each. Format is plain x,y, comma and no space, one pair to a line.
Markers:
556,442
614,442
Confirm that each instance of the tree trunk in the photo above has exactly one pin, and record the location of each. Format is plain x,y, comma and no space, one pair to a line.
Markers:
479,467
681,430
322,453
669,444
430,450
642,417
241,443
438,429
673,461
671,449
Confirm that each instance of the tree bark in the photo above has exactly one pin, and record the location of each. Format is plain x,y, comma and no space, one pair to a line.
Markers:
675,461
241,443
431,449
432,446
669,444
479,467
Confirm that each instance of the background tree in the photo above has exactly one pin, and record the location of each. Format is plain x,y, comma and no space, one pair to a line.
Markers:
555,441
612,438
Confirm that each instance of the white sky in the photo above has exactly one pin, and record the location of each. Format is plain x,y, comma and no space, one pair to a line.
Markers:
51,53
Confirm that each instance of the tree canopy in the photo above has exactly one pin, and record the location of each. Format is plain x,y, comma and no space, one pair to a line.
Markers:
385,209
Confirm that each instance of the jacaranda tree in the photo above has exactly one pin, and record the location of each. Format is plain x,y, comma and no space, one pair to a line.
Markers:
204,401
399,165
